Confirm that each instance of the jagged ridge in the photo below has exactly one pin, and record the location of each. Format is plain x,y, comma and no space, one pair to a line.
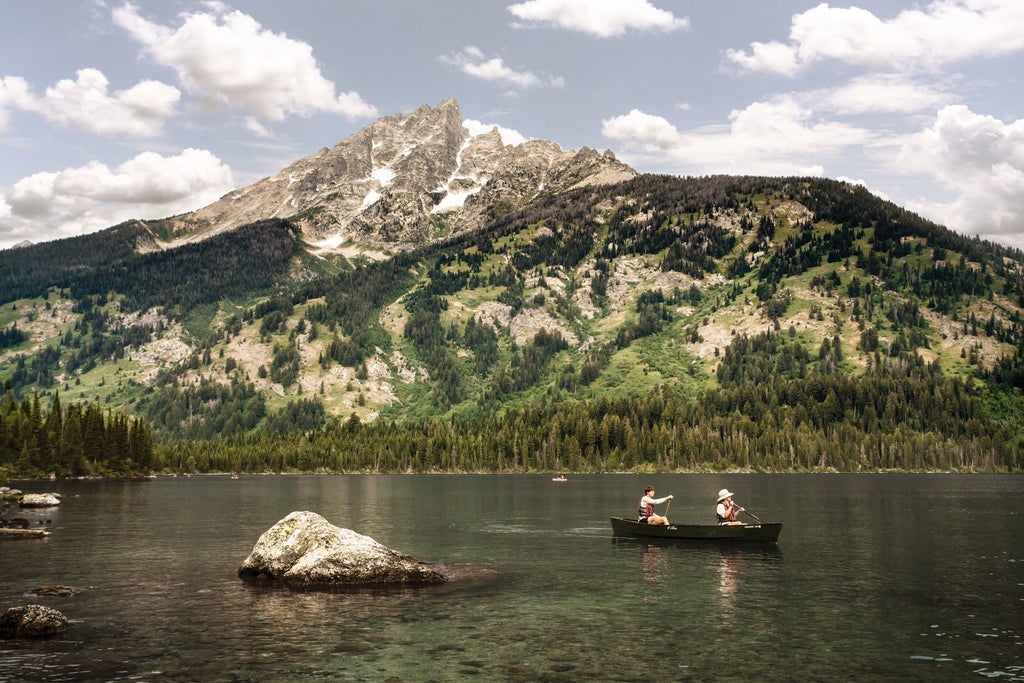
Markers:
402,182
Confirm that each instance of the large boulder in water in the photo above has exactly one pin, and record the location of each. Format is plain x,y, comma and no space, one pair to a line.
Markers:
32,621
305,549
40,500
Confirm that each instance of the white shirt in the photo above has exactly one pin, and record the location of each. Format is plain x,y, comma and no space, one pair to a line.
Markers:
647,500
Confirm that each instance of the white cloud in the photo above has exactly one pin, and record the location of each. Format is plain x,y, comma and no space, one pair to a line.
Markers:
981,160
50,205
33,197
228,57
509,136
14,93
602,18
773,57
890,93
85,104
782,127
254,126
814,170
146,179
638,130
776,137
945,31
472,61
863,183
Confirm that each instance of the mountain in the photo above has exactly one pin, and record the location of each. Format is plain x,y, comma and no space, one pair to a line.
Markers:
525,280
402,182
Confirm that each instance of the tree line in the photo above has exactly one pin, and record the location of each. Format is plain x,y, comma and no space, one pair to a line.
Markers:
878,422
78,440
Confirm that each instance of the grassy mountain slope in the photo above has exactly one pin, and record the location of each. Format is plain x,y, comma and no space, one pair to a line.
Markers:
600,294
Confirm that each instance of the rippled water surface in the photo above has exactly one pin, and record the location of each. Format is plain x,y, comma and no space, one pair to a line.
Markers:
875,578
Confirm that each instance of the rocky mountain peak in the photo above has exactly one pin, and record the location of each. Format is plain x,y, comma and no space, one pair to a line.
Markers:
402,181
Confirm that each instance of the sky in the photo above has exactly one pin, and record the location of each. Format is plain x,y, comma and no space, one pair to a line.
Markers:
113,110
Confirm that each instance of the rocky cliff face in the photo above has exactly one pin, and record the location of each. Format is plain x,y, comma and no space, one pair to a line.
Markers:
403,181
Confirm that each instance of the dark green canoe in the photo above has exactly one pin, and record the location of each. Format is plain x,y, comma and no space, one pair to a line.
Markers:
760,533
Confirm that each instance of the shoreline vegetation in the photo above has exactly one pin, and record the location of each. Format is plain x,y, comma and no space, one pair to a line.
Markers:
445,473
909,424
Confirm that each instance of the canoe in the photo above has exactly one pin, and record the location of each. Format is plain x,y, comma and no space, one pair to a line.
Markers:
759,533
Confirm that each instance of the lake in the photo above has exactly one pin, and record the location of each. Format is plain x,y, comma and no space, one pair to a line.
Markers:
878,577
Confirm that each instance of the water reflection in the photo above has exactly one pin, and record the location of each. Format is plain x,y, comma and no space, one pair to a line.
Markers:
653,563
739,565
729,567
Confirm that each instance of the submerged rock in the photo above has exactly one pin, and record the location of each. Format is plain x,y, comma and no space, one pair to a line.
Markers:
305,549
16,523
54,590
32,621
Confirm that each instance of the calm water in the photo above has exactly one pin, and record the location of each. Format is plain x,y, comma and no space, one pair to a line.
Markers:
875,577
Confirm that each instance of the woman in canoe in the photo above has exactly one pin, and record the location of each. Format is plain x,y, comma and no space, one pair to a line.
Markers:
647,503
726,511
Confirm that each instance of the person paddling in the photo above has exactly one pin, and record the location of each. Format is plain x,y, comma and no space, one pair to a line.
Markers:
726,511
647,503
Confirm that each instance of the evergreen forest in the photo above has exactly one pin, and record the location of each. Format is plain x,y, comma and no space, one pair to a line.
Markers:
74,441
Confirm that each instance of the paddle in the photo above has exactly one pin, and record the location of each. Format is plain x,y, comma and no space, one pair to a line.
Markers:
755,517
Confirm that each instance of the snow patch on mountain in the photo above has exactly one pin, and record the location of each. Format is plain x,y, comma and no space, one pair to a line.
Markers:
454,200
384,176
371,198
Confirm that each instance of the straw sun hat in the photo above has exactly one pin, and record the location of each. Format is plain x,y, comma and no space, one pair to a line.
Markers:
723,494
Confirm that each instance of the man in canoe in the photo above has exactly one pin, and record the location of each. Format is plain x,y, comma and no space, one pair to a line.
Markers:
647,503
727,512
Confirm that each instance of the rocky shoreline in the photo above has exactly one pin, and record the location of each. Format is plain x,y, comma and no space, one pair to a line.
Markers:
20,527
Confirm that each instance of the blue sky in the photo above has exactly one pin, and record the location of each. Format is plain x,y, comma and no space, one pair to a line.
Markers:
112,110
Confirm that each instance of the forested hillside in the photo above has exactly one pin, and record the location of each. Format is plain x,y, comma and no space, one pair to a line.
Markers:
777,323
28,272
